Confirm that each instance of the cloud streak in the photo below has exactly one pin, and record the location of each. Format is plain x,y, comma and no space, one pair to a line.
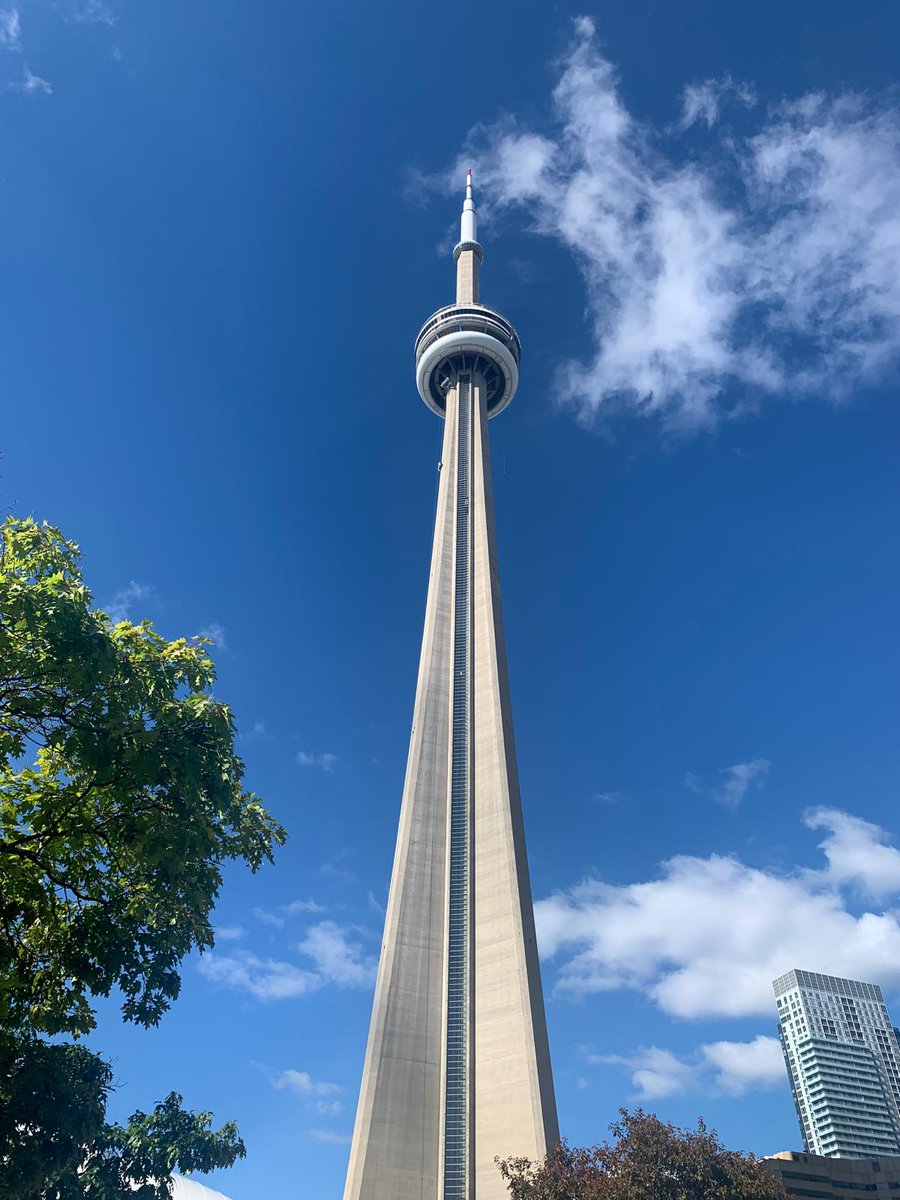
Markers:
333,954
257,732
120,606
746,1066
676,937
324,761
857,852
264,978
760,264
31,84
90,12
301,1083
318,1096
10,28
214,633
229,933
729,1068
704,101
737,782
277,917
655,1073
11,40
328,1137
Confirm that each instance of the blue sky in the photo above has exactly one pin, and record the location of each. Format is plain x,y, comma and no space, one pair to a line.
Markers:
224,225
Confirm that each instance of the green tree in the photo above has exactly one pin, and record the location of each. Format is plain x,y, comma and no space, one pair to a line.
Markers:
121,797
647,1159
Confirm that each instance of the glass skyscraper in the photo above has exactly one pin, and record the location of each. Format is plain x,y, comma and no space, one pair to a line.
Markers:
843,1062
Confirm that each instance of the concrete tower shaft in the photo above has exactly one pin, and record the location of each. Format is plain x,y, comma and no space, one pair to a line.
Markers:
457,1067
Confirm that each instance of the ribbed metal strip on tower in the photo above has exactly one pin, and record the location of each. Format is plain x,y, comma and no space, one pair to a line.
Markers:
456,1088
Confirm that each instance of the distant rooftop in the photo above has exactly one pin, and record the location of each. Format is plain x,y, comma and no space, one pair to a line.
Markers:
828,983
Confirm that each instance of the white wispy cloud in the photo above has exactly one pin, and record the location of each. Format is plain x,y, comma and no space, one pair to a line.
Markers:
301,1083
303,906
278,916
215,633
742,1067
264,978
324,761
10,28
229,933
857,852
31,84
703,101
763,264
608,797
674,938
329,1136
732,1068
335,958
318,1096
90,12
655,1073
334,868
275,919
35,83
11,39
338,959
120,606
256,732
737,782
327,1108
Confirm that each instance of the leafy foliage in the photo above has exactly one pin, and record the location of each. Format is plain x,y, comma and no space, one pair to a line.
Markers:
121,797
52,1103
647,1158
55,1141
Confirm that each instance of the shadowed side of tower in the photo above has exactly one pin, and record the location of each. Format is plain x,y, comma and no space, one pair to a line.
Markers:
515,1109
457,1067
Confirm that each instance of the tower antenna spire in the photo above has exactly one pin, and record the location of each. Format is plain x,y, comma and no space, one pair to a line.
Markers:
468,225
468,252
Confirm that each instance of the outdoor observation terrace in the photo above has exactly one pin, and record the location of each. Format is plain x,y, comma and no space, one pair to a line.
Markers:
473,336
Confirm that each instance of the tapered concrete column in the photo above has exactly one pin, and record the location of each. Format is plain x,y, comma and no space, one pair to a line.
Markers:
468,270
395,1151
457,1068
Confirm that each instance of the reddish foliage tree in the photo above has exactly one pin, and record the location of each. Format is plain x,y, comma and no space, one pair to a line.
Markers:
647,1158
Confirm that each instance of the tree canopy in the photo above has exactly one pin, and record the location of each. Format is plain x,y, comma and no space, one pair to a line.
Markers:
647,1158
121,797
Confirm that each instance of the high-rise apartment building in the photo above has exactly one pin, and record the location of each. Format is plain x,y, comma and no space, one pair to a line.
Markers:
843,1062
457,1068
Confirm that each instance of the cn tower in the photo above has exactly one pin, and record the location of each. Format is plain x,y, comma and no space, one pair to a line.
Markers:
457,1067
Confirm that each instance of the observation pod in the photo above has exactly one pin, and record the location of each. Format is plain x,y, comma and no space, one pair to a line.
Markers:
467,337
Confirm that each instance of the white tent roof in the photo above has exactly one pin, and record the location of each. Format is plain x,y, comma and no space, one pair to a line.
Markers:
190,1189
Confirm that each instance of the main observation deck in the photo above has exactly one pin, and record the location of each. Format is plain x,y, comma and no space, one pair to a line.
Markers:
472,336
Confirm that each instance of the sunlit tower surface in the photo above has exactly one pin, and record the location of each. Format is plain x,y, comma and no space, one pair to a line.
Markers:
457,1067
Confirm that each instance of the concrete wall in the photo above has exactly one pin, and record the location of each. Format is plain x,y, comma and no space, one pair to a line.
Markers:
468,270
397,1141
